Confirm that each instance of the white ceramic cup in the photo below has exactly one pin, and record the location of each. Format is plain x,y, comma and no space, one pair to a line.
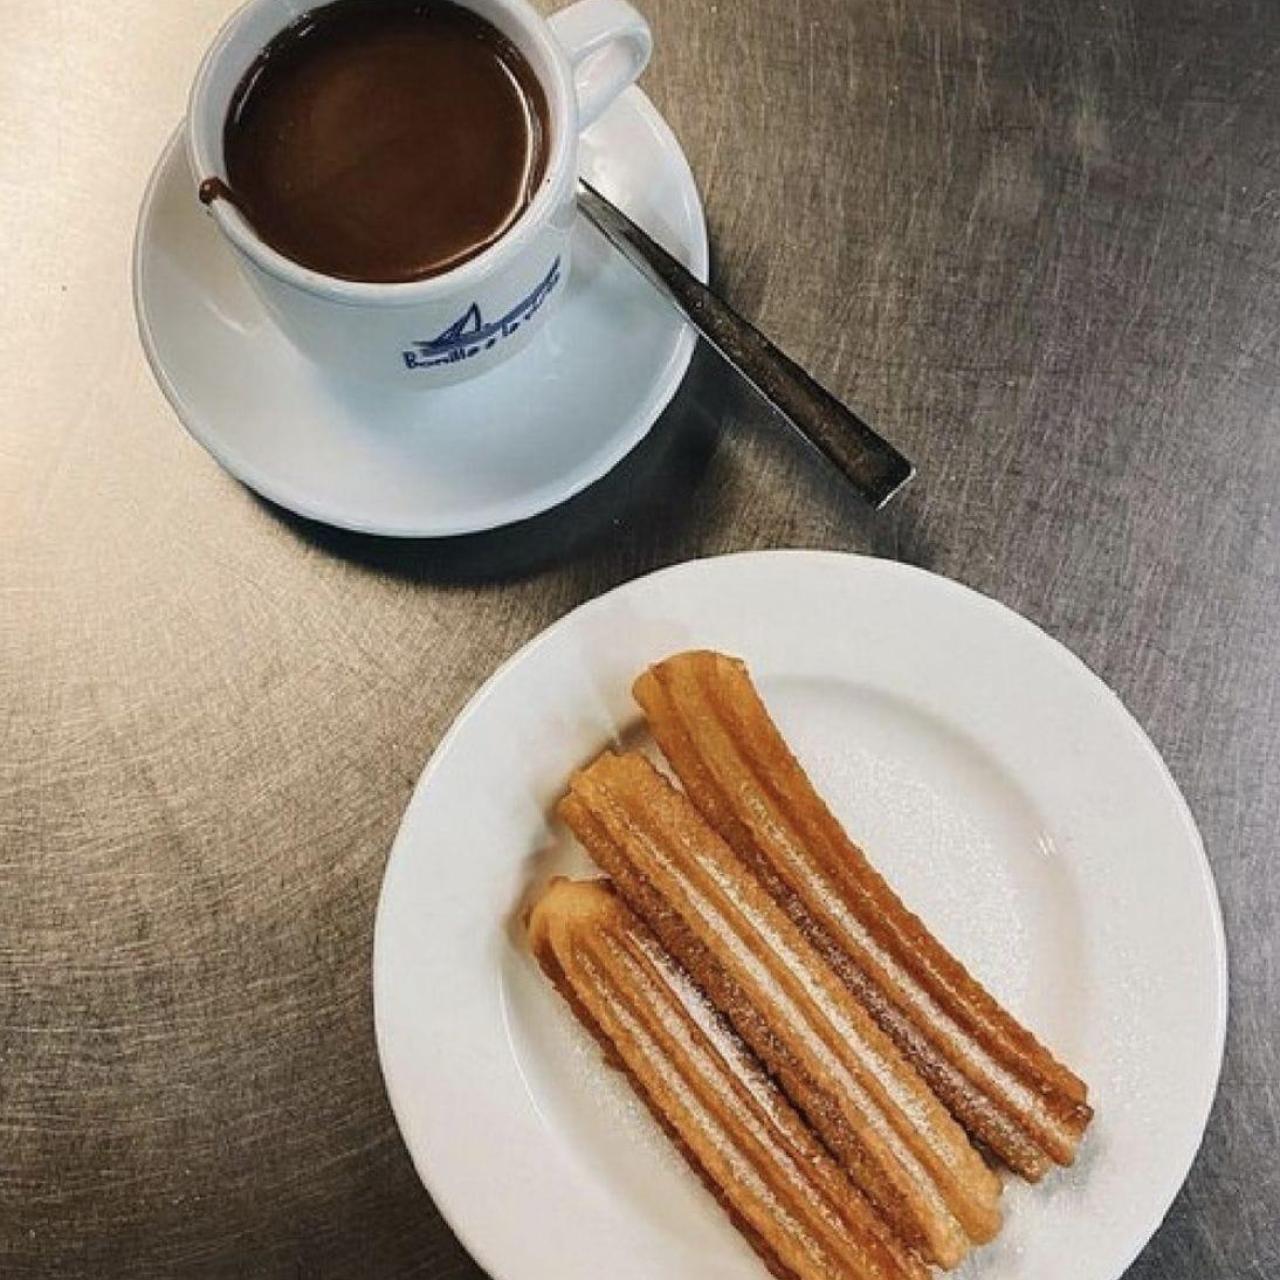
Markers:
428,333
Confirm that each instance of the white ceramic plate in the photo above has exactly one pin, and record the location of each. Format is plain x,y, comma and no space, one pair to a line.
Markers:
484,453
1002,788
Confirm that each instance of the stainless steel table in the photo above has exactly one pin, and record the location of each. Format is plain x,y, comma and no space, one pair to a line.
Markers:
1038,242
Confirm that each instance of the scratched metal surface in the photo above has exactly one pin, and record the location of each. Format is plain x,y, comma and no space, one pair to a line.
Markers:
1037,240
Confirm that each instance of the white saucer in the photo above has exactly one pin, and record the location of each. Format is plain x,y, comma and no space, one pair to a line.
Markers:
427,464
999,784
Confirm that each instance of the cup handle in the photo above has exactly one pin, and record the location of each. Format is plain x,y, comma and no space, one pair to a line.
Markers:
608,45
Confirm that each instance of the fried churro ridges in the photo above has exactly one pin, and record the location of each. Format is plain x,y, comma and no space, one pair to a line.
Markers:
1004,1087
753,1152
895,1139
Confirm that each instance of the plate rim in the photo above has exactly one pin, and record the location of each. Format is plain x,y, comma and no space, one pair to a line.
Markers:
397,857
662,390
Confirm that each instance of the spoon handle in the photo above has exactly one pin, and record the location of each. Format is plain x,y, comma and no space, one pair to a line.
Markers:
869,462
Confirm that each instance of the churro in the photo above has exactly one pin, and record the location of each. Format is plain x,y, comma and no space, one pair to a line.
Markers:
1000,1083
750,1148
877,1116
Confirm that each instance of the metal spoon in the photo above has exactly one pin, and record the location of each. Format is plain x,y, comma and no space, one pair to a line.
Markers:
869,462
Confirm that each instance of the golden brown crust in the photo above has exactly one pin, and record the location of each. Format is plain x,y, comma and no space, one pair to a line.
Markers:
545,955
896,1141
809,1223
995,1077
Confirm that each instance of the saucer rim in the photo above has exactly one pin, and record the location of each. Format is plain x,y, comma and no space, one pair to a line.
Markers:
493,515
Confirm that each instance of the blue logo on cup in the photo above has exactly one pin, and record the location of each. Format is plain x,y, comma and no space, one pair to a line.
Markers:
468,336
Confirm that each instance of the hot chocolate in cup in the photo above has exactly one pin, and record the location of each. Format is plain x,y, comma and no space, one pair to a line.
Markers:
396,177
